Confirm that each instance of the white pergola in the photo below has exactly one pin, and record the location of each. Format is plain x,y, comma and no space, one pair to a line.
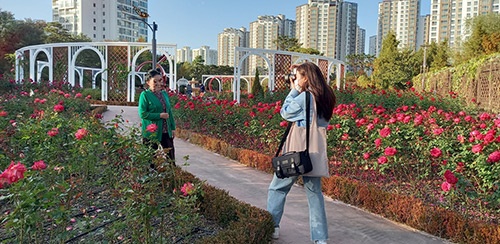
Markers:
271,60
102,49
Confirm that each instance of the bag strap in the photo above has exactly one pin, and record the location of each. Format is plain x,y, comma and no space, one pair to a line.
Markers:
308,112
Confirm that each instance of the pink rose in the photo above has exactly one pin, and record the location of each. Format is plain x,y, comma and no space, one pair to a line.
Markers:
3,113
187,189
366,155
152,128
390,151
81,133
436,152
378,142
382,160
385,132
78,95
494,157
438,131
58,108
283,123
461,138
477,148
14,172
39,165
446,186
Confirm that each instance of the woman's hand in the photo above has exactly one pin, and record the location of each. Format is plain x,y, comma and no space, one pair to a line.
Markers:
173,134
164,115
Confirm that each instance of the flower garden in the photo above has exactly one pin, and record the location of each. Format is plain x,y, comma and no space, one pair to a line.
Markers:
427,161
65,176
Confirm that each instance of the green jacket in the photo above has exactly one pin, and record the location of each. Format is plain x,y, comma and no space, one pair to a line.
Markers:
150,108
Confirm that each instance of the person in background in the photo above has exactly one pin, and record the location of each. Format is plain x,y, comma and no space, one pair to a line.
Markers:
155,111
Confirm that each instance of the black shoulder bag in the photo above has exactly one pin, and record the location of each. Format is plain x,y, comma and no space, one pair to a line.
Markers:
294,163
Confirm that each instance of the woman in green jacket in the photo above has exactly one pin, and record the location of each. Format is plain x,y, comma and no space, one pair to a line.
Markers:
158,125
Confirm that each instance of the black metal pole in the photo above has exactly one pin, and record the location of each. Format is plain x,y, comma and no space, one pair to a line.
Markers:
155,27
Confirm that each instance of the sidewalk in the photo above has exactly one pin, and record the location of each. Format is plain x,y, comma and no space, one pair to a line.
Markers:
346,224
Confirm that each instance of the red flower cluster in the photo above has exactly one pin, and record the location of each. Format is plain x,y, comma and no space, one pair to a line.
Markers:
58,108
39,165
187,189
12,174
53,132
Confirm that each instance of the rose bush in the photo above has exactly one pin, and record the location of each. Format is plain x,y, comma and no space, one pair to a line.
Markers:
404,141
64,176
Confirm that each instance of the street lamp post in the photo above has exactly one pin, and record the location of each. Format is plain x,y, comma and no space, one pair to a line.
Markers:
153,28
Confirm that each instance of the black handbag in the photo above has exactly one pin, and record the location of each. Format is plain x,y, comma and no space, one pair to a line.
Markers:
294,163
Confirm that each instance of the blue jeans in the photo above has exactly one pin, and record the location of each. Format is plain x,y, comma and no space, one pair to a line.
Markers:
279,188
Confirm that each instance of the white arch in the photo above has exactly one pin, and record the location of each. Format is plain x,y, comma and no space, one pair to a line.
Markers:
50,60
212,77
171,74
302,59
237,74
71,69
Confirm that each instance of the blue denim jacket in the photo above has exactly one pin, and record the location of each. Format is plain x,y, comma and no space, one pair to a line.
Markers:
294,109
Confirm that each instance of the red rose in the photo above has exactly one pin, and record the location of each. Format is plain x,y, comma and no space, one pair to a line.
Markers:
390,151
378,142
3,113
58,108
39,165
283,123
461,138
450,177
494,157
14,172
152,128
329,127
53,132
436,152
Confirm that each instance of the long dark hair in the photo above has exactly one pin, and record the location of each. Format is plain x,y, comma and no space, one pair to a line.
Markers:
316,84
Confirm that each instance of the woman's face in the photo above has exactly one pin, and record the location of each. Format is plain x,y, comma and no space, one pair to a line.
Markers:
155,83
301,79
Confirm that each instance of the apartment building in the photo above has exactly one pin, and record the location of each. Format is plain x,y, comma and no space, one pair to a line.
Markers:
102,20
401,17
448,18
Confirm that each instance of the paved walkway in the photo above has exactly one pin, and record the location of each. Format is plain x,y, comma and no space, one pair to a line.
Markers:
346,224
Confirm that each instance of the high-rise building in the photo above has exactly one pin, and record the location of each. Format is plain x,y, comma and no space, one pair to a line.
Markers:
448,18
372,50
330,26
423,30
102,19
360,40
263,35
400,17
317,23
227,41
347,30
208,55
185,54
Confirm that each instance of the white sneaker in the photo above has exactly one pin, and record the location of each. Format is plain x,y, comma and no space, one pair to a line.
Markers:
319,242
276,233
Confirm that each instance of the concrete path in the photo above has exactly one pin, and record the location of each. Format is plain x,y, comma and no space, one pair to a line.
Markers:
346,224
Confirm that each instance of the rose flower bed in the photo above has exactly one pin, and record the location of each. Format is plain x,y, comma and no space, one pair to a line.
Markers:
64,177
423,160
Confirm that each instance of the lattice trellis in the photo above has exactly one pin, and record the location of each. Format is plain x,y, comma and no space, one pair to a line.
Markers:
488,87
60,57
323,66
282,63
117,73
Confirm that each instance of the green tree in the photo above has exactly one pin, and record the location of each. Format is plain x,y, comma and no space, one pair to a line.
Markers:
394,68
441,56
484,38
198,67
256,86
309,50
55,33
287,43
360,64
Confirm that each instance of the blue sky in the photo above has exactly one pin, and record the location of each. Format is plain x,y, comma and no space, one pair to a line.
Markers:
197,22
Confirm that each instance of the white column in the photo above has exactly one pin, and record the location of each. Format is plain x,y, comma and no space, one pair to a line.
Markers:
32,66
51,64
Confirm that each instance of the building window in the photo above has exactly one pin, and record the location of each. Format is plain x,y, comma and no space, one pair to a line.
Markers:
94,36
94,20
103,13
103,21
103,36
94,28
104,5
103,28
94,7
